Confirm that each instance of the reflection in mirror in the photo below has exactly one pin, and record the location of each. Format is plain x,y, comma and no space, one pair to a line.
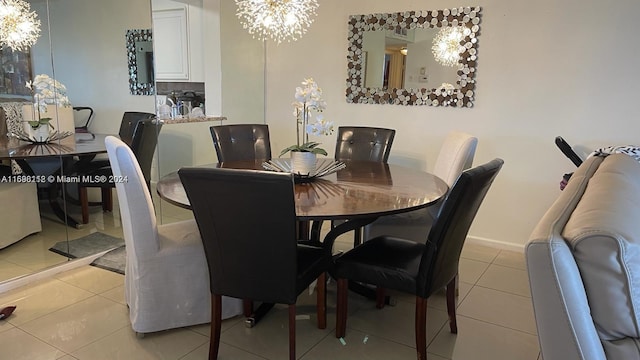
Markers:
87,39
140,60
414,57
404,61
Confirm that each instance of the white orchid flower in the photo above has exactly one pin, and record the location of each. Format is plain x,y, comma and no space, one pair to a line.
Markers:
309,100
46,90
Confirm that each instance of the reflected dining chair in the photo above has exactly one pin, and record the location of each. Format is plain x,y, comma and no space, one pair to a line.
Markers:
24,217
418,268
130,120
241,142
364,144
456,155
82,116
143,144
166,278
247,222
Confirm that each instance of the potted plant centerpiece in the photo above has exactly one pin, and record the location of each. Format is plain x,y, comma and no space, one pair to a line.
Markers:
304,152
50,106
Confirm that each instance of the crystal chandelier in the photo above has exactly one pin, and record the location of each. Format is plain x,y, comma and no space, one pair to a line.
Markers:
278,20
446,44
19,26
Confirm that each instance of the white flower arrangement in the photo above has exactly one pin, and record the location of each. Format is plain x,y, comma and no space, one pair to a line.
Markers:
46,91
309,100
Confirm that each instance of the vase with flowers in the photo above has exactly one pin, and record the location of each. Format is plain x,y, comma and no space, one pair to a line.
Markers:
303,152
50,105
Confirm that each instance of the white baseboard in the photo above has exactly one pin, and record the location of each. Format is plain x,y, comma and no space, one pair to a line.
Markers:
502,245
48,272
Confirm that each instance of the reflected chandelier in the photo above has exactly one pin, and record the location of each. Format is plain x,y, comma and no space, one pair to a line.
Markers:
446,45
19,26
278,20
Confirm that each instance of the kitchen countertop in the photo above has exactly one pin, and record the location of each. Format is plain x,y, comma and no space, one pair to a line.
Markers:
193,119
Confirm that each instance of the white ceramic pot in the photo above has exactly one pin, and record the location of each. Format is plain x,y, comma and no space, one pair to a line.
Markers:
303,162
39,135
61,117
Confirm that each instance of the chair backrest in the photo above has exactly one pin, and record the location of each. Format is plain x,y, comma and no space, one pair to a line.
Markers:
129,122
241,142
450,229
136,209
143,144
82,116
364,143
456,155
247,222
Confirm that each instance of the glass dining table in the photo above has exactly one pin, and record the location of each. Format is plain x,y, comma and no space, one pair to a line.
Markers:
82,145
359,193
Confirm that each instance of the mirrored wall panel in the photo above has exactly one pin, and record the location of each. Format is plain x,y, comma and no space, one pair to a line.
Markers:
79,74
414,57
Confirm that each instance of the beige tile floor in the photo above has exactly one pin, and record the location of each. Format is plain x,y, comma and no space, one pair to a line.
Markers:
81,314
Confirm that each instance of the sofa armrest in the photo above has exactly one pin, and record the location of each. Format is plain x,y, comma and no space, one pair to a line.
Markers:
565,327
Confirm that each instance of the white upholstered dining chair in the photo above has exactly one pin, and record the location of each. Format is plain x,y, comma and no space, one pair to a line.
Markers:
166,274
23,218
456,155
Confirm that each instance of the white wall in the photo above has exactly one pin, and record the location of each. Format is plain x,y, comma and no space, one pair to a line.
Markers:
545,68
242,70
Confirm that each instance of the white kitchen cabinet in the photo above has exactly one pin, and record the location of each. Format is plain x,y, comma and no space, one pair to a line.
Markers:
171,43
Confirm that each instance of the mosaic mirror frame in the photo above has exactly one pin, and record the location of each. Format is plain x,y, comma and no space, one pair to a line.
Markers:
135,86
463,94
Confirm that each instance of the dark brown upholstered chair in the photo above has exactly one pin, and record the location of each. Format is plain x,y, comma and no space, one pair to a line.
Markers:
143,144
241,142
417,268
128,125
82,116
364,143
253,253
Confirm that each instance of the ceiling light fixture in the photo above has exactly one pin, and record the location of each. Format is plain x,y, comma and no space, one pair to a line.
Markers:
19,26
279,20
446,44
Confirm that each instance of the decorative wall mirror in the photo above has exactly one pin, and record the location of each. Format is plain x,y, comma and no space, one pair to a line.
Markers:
140,61
413,57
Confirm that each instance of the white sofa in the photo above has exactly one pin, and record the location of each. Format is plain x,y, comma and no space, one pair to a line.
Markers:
583,260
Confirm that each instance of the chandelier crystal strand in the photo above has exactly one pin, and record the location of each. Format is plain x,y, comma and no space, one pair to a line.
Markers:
279,20
19,26
446,44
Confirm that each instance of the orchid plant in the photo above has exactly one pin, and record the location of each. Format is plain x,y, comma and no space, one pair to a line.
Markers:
46,91
308,101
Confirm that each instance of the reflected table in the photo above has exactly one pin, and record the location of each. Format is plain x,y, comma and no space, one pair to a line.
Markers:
359,193
81,144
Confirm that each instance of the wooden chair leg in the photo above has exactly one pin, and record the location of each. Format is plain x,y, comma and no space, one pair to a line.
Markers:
380,297
357,237
247,307
84,203
321,300
421,327
341,308
292,332
216,325
451,305
107,199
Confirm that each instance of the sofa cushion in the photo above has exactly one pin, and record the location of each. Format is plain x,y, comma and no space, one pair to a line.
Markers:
604,234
